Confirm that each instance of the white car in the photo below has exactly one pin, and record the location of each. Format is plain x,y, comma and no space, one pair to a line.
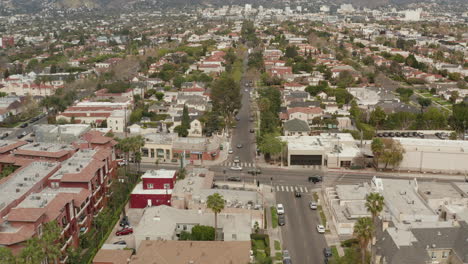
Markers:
236,159
122,162
230,151
279,209
320,229
236,168
313,205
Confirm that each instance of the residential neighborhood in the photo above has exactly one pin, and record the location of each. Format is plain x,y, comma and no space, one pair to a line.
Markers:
210,132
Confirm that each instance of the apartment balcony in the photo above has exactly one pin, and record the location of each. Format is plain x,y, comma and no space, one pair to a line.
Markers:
68,242
97,190
82,210
98,201
109,184
82,221
65,229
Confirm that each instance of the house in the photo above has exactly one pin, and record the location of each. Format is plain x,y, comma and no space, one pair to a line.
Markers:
295,127
155,189
282,72
307,114
294,86
196,128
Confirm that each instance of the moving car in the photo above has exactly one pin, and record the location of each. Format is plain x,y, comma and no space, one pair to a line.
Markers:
124,231
236,168
313,205
281,220
327,252
255,171
315,179
320,229
22,134
239,145
5,135
297,194
236,159
24,125
230,151
124,221
252,130
234,178
280,209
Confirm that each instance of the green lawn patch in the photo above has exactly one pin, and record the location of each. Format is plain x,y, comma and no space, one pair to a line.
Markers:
322,216
335,252
274,217
277,245
278,256
259,244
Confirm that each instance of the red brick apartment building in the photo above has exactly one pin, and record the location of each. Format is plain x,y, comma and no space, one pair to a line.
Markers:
62,182
154,189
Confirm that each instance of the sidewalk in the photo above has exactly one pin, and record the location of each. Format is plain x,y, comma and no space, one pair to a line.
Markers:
332,237
273,233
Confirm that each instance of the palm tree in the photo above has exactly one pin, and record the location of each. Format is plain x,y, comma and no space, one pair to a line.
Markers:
377,147
48,241
374,205
363,230
216,203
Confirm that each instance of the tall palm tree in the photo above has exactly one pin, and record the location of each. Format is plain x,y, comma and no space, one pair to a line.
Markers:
216,203
363,230
374,205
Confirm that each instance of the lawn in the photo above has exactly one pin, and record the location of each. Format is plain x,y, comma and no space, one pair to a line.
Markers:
277,245
278,256
322,216
259,244
274,217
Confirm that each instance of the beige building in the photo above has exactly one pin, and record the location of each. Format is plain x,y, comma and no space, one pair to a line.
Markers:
434,155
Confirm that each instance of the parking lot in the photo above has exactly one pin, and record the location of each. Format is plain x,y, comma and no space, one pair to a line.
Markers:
134,217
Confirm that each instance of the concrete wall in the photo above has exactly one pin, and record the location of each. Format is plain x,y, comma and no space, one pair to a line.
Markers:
434,161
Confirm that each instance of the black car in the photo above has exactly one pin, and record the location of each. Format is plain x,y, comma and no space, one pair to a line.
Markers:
252,130
255,171
234,178
120,242
315,179
327,252
281,220
4,136
297,194
124,221
24,125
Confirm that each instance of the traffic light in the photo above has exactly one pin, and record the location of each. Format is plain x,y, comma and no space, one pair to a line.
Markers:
258,184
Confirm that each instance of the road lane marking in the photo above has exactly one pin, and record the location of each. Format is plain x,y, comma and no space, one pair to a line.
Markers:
282,188
300,188
287,189
277,188
305,189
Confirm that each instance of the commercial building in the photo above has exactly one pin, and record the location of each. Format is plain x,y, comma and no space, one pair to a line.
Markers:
434,155
331,150
154,189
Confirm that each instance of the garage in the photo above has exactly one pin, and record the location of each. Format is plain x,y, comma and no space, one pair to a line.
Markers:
306,159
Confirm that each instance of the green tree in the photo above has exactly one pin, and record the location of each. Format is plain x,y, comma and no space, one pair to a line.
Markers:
345,79
377,147
459,119
393,152
424,102
138,160
32,253
363,230
377,117
48,240
181,131
226,98
291,52
271,145
412,61
6,256
203,233
185,118
216,203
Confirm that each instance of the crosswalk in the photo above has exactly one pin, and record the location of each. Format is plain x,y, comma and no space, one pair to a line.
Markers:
242,164
288,188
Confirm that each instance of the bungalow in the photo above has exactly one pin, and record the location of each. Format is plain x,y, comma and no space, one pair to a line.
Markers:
306,114
295,86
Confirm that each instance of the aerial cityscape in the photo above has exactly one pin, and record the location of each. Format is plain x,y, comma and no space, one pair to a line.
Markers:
233,132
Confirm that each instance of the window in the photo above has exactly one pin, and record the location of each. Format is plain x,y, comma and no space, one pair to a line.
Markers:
150,186
152,153
433,255
445,254
144,152
167,186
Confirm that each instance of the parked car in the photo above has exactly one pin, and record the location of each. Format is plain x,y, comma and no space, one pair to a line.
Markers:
239,145
236,168
22,135
230,151
124,231
24,125
315,179
255,171
286,254
313,205
251,119
280,209
234,178
124,221
122,162
287,261
327,252
281,220
120,242
252,130
5,135
297,194
320,229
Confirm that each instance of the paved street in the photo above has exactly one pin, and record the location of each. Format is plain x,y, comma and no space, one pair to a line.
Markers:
299,234
14,132
241,134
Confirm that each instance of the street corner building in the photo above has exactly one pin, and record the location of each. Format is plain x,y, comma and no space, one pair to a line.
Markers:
154,189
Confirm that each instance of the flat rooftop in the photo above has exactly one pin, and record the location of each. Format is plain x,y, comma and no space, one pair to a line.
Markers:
46,147
21,181
438,190
43,198
401,194
164,139
353,192
76,163
139,190
434,142
71,129
159,174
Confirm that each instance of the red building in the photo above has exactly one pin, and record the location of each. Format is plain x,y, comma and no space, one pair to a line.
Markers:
69,183
8,42
155,189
